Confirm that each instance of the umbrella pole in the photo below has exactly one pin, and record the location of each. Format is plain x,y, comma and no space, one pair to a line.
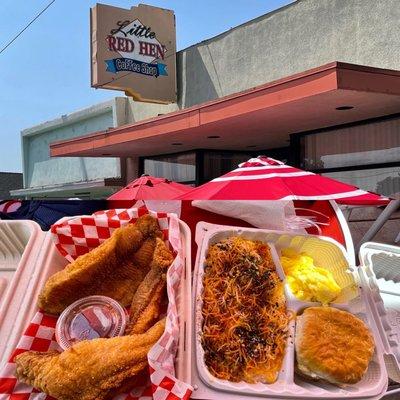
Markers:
379,222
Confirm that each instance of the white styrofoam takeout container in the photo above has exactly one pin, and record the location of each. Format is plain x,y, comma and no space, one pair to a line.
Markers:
21,254
16,237
357,298
39,260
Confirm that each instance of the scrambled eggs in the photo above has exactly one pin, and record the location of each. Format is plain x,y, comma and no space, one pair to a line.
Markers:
306,281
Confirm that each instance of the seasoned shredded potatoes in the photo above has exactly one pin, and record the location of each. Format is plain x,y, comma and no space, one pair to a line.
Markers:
245,321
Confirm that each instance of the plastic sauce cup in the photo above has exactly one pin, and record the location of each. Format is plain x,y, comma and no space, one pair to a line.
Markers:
90,318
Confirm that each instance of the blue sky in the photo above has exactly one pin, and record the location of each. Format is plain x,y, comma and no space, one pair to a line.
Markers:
46,73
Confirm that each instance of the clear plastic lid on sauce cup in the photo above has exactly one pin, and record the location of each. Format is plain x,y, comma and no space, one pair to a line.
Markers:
90,318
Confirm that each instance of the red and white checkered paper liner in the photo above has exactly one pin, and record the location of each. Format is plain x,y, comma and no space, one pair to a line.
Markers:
75,237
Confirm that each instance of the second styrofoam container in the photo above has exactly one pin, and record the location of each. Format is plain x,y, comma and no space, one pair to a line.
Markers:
325,252
380,270
21,252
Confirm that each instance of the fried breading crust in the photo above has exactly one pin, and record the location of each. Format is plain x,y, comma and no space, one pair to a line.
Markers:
114,269
91,369
147,301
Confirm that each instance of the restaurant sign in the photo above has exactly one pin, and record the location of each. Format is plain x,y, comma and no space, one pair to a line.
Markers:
134,51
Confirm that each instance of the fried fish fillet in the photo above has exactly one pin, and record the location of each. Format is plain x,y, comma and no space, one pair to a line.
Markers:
90,370
114,269
333,345
147,301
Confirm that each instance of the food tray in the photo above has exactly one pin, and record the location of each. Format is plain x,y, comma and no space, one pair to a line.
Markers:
289,385
33,273
15,238
381,272
20,252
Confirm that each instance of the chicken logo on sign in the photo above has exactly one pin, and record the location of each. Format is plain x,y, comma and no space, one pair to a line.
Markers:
140,50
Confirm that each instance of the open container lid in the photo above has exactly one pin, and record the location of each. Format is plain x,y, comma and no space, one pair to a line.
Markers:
380,271
21,255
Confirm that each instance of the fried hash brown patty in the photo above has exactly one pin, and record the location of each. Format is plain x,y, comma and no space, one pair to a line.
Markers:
114,269
333,345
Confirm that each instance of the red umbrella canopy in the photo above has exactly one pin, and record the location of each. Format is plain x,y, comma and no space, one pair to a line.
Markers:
264,178
150,188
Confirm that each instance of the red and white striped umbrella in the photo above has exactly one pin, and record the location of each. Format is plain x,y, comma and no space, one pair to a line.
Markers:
150,188
264,178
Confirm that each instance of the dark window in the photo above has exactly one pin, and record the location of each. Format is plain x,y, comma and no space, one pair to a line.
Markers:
217,163
282,154
180,167
384,181
373,143
200,166
366,154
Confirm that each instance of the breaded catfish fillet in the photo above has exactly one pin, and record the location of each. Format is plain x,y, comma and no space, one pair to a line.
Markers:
114,269
147,301
90,370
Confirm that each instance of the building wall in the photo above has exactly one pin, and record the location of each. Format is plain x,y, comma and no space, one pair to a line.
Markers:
136,111
303,35
41,171
9,181
295,38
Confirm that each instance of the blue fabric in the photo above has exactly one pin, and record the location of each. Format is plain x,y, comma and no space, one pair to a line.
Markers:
47,212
